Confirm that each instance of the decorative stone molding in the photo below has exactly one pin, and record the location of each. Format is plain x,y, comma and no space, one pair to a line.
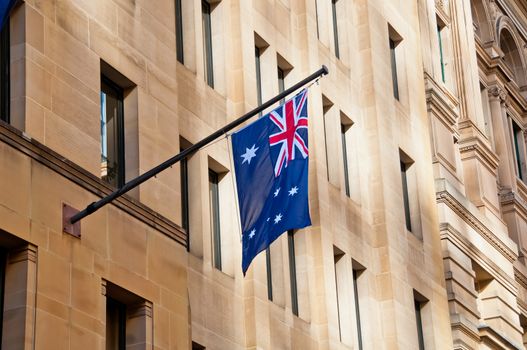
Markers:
441,105
509,198
448,232
25,253
472,143
443,196
498,92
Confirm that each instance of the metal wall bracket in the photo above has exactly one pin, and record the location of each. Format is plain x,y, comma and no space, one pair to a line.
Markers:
67,226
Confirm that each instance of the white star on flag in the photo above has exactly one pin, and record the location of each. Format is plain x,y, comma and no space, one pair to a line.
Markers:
252,233
293,191
277,191
278,218
249,154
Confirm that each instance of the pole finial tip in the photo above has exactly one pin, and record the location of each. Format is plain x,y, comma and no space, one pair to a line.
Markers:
325,68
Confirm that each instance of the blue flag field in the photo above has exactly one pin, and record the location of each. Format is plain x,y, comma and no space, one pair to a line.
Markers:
271,164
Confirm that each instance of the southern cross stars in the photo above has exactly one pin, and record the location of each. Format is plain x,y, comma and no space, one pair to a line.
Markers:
278,218
249,154
252,233
276,192
293,191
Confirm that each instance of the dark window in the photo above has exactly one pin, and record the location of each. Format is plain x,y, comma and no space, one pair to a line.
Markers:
441,59
518,152
292,271
316,17
112,133
215,217
3,263
393,62
179,31
338,255
196,346
184,195
4,73
258,75
419,323
345,158
406,199
115,324
207,42
281,82
335,27
357,309
269,274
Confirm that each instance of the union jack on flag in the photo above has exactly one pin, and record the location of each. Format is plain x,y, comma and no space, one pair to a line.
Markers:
290,119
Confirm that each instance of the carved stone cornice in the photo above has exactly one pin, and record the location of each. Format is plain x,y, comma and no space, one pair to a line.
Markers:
444,196
448,232
441,105
472,144
510,200
28,252
497,91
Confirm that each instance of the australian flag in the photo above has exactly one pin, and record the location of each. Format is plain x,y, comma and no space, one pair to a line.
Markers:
5,8
271,164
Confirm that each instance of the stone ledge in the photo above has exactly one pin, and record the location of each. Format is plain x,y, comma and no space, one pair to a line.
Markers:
450,196
71,171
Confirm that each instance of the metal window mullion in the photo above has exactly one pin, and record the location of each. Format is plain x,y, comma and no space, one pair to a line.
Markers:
292,271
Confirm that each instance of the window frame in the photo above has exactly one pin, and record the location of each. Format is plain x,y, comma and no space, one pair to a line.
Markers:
335,28
119,142
343,130
406,195
355,276
518,140
393,63
214,199
258,70
179,32
185,213
441,56
292,271
5,73
418,306
120,309
281,81
206,25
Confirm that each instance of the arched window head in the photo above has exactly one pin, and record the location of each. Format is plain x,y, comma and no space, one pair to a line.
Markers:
480,19
512,57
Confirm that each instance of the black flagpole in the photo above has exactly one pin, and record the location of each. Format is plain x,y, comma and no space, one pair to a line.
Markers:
94,206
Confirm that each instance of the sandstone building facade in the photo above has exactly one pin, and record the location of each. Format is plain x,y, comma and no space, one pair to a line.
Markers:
418,175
